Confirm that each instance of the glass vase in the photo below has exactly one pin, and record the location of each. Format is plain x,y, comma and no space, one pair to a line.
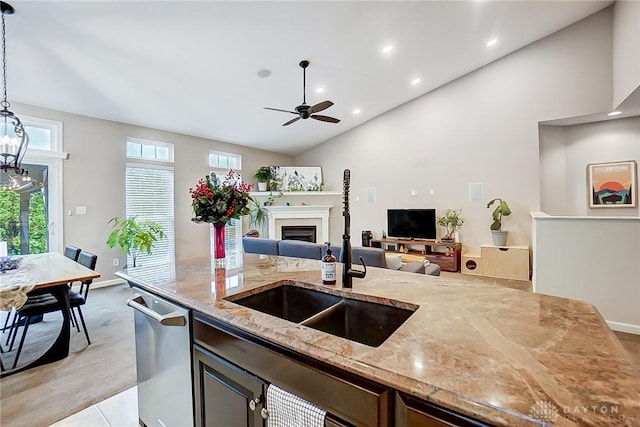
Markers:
217,245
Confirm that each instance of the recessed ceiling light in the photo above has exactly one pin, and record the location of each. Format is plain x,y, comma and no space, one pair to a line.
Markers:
320,90
614,113
416,81
492,42
264,73
356,111
387,49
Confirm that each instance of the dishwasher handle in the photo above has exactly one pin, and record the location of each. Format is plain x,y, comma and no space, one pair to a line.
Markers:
169,319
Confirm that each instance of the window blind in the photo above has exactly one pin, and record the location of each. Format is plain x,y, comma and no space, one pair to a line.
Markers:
149,196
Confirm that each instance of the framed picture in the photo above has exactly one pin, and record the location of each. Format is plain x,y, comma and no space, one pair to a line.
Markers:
613,185
297,178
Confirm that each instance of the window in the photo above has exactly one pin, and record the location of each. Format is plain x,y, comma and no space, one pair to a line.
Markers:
233,243
225,161
149,150
221,163
149,196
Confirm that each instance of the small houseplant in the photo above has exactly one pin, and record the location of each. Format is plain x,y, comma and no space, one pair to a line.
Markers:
502,209
133,237
452,221
262,176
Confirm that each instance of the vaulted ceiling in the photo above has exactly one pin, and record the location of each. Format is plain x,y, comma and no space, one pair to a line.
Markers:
192,67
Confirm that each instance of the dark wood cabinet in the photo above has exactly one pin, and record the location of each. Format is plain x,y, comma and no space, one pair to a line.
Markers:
348,400
225,395
413,412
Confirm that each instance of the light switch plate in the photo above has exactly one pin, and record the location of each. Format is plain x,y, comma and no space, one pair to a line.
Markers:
81,210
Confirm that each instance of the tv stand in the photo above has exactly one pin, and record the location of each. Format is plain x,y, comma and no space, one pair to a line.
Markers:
448,257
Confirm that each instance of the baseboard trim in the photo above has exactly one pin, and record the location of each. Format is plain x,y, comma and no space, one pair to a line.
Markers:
624,327
105,283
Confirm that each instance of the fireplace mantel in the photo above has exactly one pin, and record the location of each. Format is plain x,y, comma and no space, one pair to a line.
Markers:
279,213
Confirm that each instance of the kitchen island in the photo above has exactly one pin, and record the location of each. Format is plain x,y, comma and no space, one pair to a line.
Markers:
498,356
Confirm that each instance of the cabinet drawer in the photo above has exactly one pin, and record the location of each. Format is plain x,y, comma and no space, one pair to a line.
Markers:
353,399
510,262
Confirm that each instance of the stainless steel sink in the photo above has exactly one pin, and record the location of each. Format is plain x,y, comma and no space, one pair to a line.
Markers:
366,322
288,302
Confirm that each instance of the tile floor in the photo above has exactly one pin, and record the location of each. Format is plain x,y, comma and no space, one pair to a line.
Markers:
120,410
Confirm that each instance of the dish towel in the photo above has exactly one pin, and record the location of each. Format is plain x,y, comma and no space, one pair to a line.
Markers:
288,410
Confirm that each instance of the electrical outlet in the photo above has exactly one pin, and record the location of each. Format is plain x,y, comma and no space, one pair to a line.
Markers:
116,262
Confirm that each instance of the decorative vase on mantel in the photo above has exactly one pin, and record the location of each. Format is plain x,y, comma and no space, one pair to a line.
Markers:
217,245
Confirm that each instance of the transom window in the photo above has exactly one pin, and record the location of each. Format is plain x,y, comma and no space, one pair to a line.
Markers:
149,150
220,160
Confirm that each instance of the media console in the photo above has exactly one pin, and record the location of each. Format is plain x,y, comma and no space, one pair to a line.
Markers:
445,254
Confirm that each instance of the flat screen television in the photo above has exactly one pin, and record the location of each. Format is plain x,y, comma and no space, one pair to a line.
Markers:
411,223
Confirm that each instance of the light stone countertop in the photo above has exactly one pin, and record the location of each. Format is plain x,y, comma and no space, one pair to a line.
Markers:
503,356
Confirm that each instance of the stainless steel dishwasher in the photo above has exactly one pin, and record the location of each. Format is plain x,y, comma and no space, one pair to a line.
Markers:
163,361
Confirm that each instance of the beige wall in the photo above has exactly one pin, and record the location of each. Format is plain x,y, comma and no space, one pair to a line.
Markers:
94,177
626,49
565,152
481,128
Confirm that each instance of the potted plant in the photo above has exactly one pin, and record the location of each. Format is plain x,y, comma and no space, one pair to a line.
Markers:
262,176
502,209
133,237
452,221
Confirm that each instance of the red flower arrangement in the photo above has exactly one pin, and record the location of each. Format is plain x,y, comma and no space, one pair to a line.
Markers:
217,201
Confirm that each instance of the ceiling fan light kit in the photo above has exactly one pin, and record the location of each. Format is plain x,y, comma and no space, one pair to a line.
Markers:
304,111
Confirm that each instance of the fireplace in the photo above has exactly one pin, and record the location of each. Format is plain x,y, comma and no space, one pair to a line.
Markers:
306,233
299,216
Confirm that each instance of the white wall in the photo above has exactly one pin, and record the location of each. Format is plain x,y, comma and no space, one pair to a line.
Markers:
479,128
94,177
565,152
626,49
606,274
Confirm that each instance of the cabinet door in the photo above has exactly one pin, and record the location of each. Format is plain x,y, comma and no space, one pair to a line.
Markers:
412,412
225,395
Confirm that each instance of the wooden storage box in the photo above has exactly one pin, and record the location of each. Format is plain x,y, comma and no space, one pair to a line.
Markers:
509,262
471,264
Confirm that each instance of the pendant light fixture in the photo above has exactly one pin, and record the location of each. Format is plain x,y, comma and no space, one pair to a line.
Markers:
13,139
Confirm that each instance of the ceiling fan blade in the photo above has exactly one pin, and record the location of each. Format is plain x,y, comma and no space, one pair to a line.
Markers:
278,109
325,118
320,106
291,121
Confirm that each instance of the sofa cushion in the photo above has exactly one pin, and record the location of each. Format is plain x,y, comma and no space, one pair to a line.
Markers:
300,249
373,257
257,245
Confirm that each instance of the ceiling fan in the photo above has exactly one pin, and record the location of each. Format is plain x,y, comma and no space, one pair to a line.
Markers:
304,111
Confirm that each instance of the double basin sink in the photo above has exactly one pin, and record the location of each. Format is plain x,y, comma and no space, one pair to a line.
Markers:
366,322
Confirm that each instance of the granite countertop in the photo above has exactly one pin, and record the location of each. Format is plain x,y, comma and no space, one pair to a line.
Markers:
503,356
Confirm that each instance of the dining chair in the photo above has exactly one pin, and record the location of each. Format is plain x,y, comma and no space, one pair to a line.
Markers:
47,303
78,299
72,252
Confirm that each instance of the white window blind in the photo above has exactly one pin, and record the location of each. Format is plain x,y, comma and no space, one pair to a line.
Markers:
233,243
149,196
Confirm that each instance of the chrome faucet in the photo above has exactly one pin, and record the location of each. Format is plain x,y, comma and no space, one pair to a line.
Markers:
345,253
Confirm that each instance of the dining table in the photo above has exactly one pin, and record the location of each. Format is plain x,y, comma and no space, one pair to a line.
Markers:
51,271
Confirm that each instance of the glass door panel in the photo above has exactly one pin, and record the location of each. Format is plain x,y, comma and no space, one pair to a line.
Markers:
24,215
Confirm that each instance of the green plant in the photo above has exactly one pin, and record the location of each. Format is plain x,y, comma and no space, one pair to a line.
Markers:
502,209
259,215
451,220
264,174
133,237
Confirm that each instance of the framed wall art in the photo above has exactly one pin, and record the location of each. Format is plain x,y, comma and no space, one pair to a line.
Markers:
613,184
297,178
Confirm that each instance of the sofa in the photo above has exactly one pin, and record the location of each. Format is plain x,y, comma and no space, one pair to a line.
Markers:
373,257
